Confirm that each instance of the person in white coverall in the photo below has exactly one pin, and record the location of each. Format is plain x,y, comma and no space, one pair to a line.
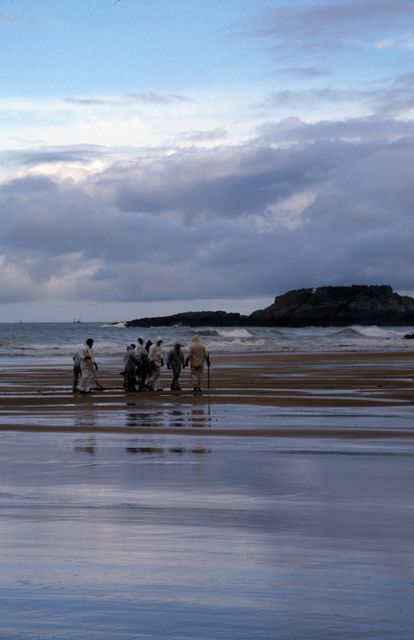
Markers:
156,362
143,368
130,368
88,380
197,356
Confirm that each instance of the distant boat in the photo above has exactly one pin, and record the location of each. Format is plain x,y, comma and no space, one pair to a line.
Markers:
78,321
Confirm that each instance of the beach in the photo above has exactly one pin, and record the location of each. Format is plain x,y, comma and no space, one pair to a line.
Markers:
277,504
296,394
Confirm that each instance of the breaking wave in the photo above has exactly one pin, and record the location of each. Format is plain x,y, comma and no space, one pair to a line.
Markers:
223,333
116,325
374,332
234,333
206,332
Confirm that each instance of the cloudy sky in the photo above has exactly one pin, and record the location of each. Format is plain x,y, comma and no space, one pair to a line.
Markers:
166,155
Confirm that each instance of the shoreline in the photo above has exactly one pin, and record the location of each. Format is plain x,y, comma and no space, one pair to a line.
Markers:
335,394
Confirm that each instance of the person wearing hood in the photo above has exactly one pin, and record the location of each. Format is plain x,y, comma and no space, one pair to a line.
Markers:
175,362
143,366
131,363
156,362
197,356
140,346
88,380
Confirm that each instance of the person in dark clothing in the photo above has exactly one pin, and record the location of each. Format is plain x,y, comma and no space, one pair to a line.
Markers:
175,362
76,370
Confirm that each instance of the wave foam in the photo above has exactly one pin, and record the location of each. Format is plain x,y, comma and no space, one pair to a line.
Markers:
372,331
234,333
116,325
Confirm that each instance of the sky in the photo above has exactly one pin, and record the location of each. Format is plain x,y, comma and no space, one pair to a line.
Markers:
171,155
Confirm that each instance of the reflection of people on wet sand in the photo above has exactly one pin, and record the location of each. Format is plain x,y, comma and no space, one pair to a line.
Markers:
175,362
197,355
88,380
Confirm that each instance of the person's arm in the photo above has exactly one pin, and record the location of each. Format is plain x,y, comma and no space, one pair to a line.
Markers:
92,357
188,358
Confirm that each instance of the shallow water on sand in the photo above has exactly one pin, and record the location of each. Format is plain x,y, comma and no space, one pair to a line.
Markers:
120,537
231,418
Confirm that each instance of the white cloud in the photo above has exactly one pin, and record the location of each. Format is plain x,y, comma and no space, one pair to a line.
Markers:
286,213
146,121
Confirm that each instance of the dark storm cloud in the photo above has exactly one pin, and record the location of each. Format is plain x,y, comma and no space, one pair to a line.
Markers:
204,185
330,203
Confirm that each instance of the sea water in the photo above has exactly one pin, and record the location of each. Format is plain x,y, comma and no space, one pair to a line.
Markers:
123,537
58,341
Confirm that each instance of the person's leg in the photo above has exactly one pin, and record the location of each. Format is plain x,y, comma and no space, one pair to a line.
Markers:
199,377
76,375
194,378
175,383
196,373
154,381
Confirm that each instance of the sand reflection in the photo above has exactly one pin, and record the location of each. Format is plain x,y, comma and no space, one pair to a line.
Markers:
86,445
105,534
135,448
186,417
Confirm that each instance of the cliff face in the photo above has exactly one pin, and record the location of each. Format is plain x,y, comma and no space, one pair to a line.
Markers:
322,306
357,304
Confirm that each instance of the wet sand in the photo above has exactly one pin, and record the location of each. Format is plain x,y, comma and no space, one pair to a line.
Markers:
342,394
278,504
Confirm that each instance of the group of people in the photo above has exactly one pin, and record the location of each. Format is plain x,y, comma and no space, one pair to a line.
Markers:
142,365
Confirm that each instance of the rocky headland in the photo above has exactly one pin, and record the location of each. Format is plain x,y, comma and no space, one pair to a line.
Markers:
320,306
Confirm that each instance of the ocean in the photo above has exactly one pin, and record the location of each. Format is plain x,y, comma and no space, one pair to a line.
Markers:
56,342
